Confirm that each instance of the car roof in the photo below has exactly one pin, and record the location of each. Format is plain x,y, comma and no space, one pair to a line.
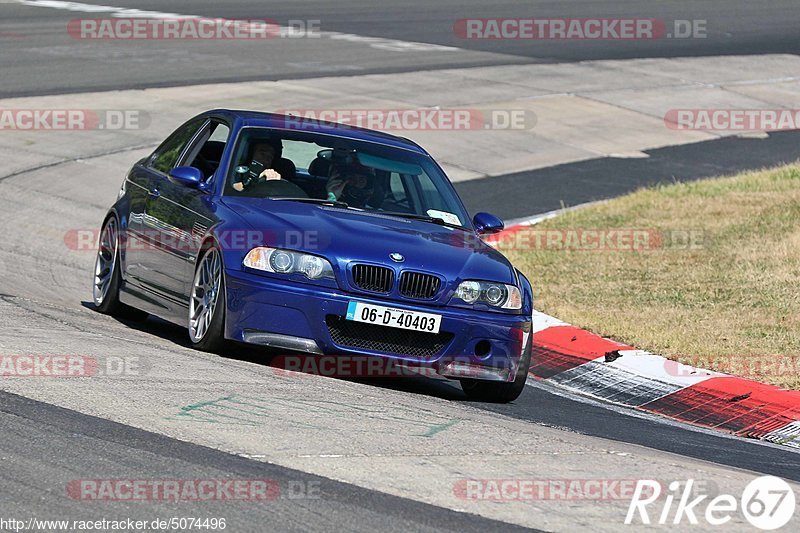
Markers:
278,121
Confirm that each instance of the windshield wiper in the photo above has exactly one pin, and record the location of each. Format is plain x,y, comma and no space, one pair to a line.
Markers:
424,218
335,203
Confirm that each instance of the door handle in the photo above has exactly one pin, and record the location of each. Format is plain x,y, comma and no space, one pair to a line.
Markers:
154,193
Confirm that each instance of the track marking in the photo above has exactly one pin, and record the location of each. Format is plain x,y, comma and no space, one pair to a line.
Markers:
379,43
243,410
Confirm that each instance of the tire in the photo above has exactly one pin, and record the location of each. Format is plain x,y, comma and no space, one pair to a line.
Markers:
107,276
501,392
207,313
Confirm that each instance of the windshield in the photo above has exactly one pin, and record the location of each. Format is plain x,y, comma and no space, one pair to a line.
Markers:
315,167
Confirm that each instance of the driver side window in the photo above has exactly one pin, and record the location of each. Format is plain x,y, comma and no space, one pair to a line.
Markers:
166,156
206,152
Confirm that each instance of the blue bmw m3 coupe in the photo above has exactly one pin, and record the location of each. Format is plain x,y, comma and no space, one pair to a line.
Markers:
315,238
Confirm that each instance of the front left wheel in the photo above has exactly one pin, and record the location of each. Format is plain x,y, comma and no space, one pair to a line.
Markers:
501,392
207,304
107,276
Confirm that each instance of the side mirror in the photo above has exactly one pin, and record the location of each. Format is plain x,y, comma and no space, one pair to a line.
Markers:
187,176
487,224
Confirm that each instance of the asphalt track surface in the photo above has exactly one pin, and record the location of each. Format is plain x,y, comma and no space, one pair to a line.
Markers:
44,446
34,429
40,58
510,196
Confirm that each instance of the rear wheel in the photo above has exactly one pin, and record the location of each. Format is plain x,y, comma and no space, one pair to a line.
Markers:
501,392
107,277
207,304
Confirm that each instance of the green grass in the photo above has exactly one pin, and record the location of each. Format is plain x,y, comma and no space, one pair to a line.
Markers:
730,301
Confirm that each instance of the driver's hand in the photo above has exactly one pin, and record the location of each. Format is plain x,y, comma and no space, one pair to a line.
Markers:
270,174
336,186
238,186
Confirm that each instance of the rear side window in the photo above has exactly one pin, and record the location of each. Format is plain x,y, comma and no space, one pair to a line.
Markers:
300,153
165,158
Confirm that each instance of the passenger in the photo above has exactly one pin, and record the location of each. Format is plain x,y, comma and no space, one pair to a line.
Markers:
356,188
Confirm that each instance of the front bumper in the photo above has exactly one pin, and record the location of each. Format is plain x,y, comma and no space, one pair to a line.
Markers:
297,316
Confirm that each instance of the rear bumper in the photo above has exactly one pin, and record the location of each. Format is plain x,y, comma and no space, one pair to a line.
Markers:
297,316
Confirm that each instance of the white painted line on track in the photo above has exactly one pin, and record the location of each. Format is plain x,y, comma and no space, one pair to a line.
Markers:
380,43
640,362
542,322
536,219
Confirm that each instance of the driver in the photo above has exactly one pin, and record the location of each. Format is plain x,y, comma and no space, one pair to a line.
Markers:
265,154
356,187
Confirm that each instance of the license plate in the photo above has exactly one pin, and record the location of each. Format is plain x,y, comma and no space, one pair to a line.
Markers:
392,317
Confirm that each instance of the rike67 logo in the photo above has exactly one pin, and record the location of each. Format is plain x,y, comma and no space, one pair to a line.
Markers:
767,503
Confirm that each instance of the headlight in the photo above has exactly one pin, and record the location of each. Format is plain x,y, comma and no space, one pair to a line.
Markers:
280,261
469,291
288,262
494,294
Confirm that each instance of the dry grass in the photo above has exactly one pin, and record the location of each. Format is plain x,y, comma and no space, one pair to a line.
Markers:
731,302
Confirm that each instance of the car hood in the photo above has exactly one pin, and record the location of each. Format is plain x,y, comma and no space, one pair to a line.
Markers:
346,235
